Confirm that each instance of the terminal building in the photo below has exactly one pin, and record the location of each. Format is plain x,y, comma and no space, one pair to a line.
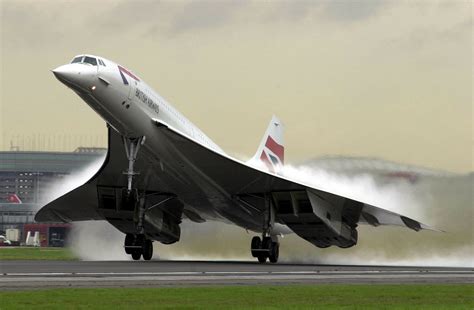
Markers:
26,179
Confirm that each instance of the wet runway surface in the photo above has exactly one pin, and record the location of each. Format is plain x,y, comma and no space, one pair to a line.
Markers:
44,274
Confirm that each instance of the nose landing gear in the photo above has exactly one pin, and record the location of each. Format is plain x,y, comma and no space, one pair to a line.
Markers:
137,244
132,145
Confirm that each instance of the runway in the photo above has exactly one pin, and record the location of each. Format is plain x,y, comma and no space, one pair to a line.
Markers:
52,274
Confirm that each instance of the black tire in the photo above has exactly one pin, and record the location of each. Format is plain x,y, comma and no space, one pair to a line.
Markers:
274,252
147,249
255,244
136,255
266,243
354,235
129,239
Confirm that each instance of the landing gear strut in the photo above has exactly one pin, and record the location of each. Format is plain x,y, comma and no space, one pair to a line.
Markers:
137,244
267,246
132,145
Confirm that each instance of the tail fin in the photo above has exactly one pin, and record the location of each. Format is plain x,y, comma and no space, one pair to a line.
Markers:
271,151
13,198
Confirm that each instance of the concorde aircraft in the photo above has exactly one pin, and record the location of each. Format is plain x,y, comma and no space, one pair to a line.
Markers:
161,169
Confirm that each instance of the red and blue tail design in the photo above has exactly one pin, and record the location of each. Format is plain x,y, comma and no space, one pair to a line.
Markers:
271,151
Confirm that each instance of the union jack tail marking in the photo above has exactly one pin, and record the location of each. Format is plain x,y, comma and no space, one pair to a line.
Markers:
271,151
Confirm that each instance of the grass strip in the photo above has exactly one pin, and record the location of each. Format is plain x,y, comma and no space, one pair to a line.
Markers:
27,253
415,296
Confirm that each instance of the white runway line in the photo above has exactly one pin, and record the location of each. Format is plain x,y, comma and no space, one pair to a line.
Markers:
218,278
46,280
22,275
209,273
228,274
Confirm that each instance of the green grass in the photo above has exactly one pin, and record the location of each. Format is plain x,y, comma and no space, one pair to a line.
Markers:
416,296
25,253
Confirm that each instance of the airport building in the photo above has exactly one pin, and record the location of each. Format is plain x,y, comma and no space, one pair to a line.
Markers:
26,180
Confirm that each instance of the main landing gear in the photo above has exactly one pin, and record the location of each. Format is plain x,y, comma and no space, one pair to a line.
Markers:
136,244
263,248
268,246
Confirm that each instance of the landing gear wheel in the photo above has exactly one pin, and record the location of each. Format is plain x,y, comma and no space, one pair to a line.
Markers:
255,246
136,255
265,249
274,252
135,245
147,249
129,239
266,243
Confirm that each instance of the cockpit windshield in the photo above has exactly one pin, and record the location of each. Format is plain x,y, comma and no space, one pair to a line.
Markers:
85,60
90,60
77,59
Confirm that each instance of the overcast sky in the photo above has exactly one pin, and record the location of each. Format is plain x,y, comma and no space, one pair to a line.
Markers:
388,79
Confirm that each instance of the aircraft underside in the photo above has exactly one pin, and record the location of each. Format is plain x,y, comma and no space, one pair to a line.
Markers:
146,199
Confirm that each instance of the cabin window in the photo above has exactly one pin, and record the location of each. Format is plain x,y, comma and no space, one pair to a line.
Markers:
101,62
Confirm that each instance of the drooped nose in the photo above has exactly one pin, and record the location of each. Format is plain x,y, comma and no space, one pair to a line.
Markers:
65,73
75,75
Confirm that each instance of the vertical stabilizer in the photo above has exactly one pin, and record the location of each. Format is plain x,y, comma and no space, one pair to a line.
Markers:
271,152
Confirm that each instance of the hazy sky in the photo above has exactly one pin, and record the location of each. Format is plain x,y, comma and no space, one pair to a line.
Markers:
389,79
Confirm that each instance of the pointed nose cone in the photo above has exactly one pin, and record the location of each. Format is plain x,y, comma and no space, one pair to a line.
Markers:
65,73
76,76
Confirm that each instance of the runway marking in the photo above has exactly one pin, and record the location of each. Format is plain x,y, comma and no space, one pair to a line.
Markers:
37,275
210,273
15,281
210,278
237,276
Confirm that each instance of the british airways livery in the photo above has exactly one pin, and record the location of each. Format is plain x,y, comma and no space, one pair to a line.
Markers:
161,169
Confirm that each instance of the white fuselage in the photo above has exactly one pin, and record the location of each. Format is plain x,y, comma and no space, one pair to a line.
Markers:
126,106
129,106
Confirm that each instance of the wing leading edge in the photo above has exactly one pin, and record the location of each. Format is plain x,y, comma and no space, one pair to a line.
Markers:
320,217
